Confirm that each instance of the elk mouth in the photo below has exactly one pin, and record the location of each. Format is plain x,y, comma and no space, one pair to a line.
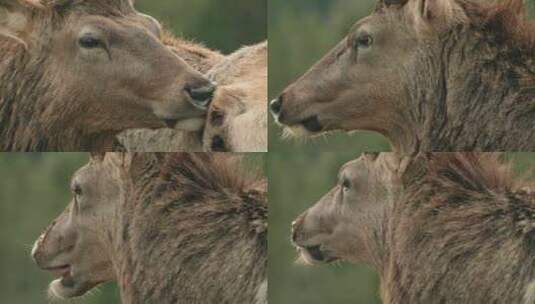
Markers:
315,254
66,285
63,271
312,124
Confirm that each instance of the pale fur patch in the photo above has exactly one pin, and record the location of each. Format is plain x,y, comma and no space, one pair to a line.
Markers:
262,293
529,296
295,132
191,124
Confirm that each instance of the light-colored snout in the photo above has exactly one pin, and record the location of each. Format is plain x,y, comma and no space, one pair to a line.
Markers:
297,225
51,249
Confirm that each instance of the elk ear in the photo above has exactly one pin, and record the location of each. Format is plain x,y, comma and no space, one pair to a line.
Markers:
15,19
437,14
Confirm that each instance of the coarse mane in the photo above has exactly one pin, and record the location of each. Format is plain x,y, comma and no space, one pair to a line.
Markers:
507,21
467,215
473,172
105,7
197,176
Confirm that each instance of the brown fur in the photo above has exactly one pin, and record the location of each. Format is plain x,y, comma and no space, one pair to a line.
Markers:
223,259
201,59
45,105
460,230
237,117
444,75
184,228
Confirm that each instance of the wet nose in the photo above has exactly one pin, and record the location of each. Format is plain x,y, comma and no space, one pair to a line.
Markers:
276,106
201,96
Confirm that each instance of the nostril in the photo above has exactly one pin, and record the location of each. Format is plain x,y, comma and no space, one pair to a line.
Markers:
276,105
201,96
170,123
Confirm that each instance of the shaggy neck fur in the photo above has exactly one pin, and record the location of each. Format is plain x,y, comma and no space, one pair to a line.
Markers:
193,230
471,90
462,225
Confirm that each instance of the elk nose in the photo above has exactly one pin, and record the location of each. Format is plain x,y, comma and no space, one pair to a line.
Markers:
294,231
202,96
170,123
275,106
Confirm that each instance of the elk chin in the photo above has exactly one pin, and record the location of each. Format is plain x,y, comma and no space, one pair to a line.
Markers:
296,131
67,287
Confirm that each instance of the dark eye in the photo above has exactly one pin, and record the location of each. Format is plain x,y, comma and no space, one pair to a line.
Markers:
363,41
89,42
346,184
77,190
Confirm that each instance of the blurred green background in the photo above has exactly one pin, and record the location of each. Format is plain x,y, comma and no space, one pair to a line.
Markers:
297,181
34,189
222,25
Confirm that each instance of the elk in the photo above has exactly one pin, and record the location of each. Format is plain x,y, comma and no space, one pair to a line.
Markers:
169,228
437,227
236,118
429,75
74,74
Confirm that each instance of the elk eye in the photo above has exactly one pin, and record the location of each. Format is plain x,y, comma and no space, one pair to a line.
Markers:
77,190
89,42
363,41
346,184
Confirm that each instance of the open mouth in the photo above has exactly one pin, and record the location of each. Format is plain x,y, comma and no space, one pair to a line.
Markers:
63,273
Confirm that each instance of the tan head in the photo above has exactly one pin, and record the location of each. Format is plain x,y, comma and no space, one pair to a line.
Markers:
104,66
77,246
346,223
362,84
